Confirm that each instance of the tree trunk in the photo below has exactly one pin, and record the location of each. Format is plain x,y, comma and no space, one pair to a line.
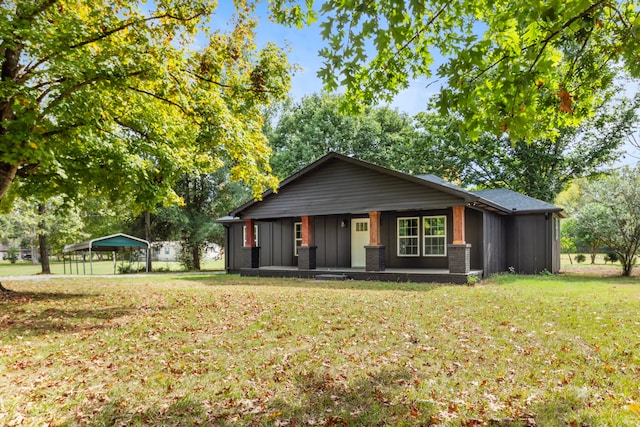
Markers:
43,241
44,253
147,237
7,175
196,257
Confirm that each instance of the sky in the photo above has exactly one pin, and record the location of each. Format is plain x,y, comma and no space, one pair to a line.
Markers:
305,43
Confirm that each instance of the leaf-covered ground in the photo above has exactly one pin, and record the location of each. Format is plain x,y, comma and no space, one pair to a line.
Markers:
224,350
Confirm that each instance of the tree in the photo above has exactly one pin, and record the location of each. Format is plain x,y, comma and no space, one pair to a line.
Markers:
203,199
45,225
538,167
315,126
106,96
522,67
613,214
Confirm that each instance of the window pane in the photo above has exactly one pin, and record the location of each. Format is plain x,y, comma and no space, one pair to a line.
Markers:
435,235
408,237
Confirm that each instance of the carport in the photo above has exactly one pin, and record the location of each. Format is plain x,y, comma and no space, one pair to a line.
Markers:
117,244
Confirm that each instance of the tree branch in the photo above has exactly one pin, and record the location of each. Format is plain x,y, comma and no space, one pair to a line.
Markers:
102,35
160,98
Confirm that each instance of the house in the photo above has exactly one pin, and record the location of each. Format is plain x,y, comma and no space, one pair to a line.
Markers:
342,217
169,251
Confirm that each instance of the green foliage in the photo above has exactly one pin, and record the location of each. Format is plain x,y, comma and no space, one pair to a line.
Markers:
538,167
204,198
108,98
611,215
580,258
12,254
313,127
522,67
610,257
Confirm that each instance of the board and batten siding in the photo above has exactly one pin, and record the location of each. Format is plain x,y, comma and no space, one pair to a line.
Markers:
342,188
529,243
495,237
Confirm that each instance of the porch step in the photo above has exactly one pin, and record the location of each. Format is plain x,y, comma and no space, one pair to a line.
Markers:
331,276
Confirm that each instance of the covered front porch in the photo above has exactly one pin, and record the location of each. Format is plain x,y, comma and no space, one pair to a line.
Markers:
422,275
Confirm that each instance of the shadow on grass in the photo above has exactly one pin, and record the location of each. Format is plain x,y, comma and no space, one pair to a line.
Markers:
237,280
315,399
324,400
16,320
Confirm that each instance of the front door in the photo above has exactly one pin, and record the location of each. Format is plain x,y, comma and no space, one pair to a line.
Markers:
359,239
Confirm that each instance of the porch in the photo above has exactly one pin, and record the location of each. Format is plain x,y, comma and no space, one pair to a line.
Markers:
427,275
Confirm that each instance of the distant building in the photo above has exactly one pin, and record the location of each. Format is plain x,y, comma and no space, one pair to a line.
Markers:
169,251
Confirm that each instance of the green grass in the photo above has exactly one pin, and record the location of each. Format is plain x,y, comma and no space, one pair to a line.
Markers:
225,350
27,268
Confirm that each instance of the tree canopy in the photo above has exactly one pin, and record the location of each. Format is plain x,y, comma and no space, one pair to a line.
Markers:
110,97
523,67
610,215
314,126
538,167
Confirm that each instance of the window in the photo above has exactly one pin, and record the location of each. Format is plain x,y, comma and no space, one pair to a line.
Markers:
167,250
408,237
244,234
435,235
362,226
297,237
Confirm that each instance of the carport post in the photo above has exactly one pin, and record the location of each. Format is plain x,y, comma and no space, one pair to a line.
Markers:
90,261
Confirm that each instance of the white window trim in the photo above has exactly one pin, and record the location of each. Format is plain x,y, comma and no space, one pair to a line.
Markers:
296,239
425,236
244,235
398,237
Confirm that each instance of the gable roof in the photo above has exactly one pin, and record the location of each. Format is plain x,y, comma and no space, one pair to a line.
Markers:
502,201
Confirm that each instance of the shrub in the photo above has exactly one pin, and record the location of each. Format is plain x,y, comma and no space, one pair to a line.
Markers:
580,258
610,257
12,254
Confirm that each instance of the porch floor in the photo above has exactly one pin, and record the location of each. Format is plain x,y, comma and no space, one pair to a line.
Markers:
424,275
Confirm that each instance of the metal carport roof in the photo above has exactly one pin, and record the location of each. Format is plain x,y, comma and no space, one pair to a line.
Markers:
115,242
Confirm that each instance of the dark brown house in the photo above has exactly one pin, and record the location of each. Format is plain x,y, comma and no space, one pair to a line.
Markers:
342,217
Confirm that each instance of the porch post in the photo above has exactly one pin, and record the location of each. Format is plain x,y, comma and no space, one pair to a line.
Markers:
460,251
307,251
375,250
252,251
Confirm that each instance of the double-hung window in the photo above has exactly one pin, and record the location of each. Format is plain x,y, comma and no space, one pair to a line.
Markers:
435,235
408,236
426,236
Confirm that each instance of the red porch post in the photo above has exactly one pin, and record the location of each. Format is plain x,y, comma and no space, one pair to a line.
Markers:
307,251
374,253
307,231
249,235
458,225
374,228
459,253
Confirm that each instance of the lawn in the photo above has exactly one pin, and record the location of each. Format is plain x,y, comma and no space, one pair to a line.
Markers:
225,350
27,268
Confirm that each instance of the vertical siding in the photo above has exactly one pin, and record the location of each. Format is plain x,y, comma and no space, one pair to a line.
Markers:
474,234
529,243
495,260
